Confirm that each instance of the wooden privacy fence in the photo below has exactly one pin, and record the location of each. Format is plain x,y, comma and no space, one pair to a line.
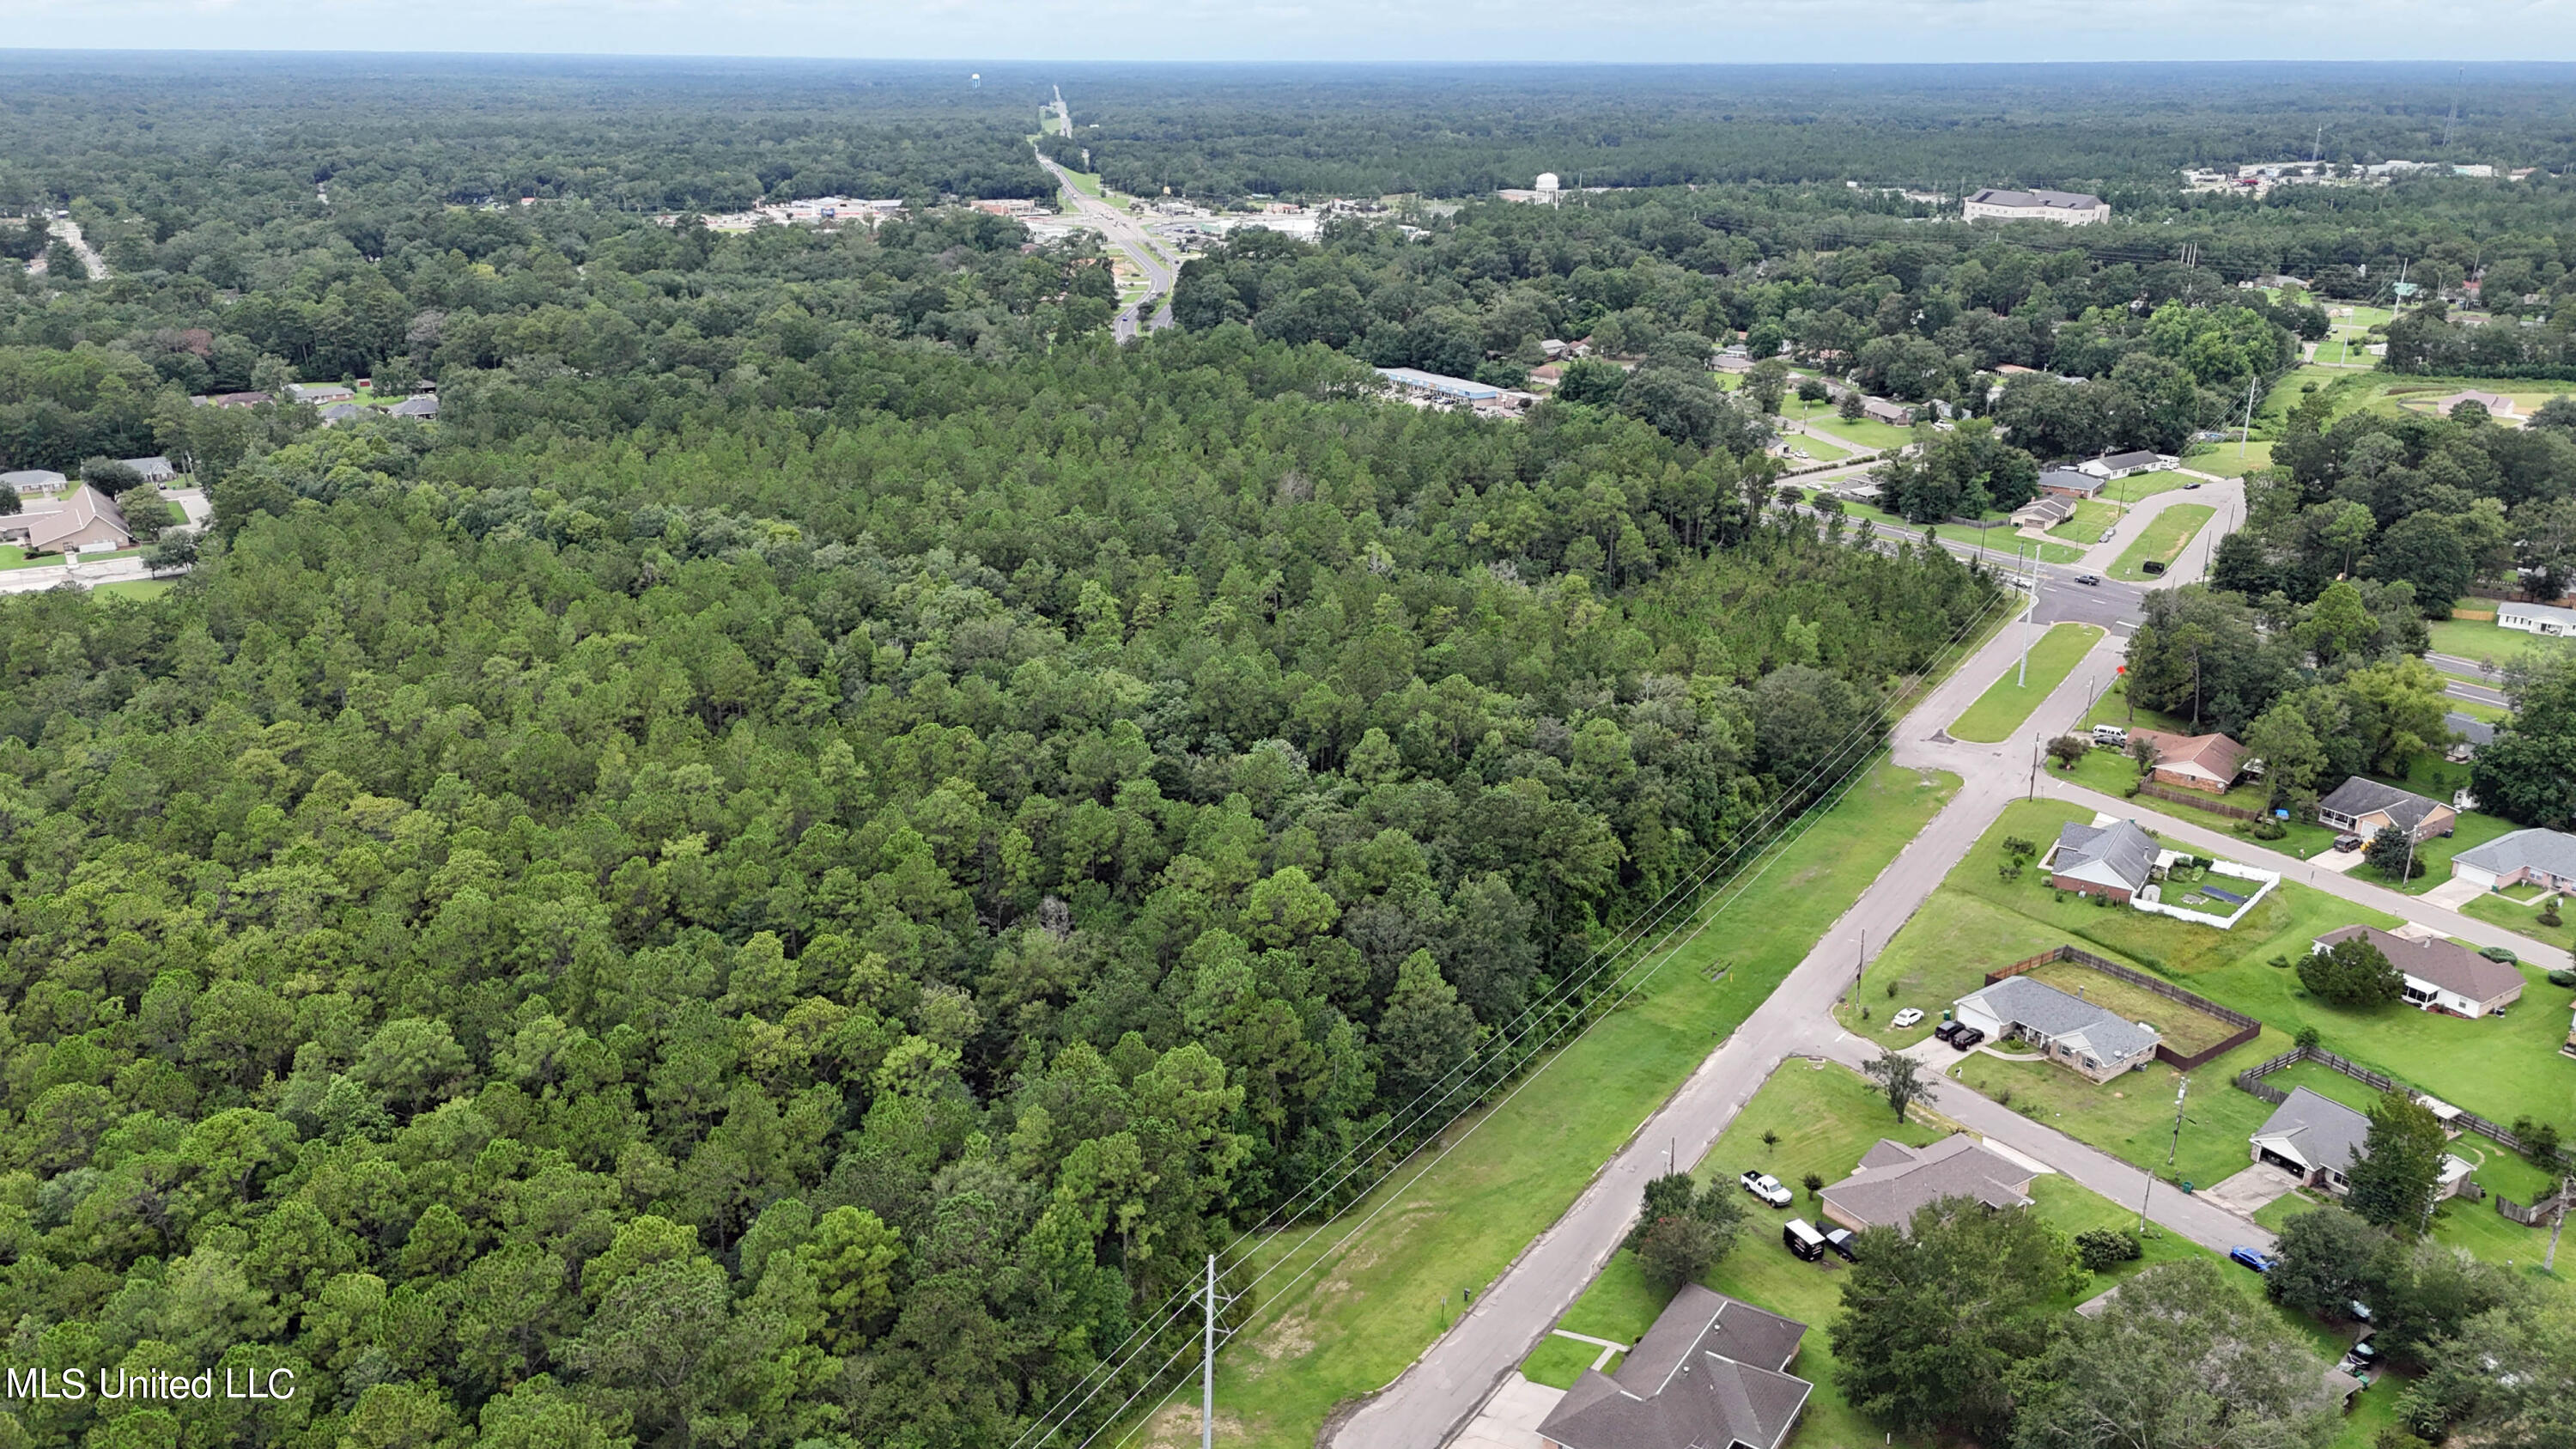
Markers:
2251,1081
2247,1028
2197,801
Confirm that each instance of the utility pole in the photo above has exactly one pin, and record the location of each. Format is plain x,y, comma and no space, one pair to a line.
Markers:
2566,1190
2034,767
1207,1367
2182,1086
2247,437
2022,680
1860,967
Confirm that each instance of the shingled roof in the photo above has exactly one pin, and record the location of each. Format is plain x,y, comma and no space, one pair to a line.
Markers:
1706,1376
1896,1181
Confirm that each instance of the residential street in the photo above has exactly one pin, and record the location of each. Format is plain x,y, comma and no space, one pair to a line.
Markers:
1442,1390
1444,1387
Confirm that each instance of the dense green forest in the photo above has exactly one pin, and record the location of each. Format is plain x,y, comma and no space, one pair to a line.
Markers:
780,872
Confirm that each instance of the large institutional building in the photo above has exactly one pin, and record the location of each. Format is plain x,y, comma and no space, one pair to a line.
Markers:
2068,208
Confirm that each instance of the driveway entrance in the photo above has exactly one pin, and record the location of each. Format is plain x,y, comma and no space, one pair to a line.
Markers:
2252,1190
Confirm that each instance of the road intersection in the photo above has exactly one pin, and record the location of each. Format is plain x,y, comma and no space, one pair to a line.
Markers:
1441,1391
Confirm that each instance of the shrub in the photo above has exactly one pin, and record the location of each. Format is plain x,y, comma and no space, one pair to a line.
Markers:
2102,1249
2562,977
2308,1038
2549,914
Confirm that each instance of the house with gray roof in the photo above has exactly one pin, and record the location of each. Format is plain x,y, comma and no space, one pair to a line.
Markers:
88,521
2122,465
2366,807
1711,1374
423,406
1894,1182
2115,860
2069,483
34,480
155,469
2544,858
2474,735
2317,1139
2082,1036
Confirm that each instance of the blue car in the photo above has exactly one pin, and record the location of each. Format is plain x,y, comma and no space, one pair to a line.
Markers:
2254,1258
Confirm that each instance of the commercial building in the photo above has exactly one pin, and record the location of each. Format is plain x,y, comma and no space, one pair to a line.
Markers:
2067,208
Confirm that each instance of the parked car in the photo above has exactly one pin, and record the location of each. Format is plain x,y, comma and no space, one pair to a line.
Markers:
2359,1310
1841,1240
1966,1037
1949,1029
2088,579
2348,842
1768,1188
2194,483
2254,1258
2499,953
2112,735
1906,1018
2106,535
2366,1354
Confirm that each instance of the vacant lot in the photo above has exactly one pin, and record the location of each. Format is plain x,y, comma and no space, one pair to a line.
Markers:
2163,541
2482,639
2084,528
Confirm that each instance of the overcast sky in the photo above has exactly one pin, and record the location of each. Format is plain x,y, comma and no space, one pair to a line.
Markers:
1358,30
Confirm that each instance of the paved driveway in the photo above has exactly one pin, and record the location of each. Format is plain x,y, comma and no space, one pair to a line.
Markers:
1510,1419
2252,1190
2338,861
2455,894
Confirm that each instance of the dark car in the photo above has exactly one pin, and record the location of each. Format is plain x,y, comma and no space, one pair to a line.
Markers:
1840,1240
2254,1258
1966,1037
2194,483
2088,578
1949,1029
2348,842
2366,1354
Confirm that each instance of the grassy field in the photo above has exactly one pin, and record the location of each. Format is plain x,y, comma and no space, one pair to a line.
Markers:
14,557
2086,525
2139,487
1816,448
2227,460
135,589
1865,431
2500,1067
2481,639
1374,1303
2006,703
2166,536
1824,1118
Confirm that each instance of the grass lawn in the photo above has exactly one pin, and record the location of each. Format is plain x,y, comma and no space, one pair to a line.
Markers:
2166,536
14,557
1371,1308
2141,486
2112,772
2224,459
1816,448
2500,1067
1558,1362
2010,699
1824,1118
2522,920
2480,639
2085,526
1867,432
2472,829
135,589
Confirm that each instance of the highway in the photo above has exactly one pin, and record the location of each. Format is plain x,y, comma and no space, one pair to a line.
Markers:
1154,308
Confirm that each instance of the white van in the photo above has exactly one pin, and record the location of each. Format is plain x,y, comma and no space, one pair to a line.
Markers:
2111,735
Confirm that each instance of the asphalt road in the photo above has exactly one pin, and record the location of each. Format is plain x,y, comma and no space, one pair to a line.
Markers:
1155,307
2461,688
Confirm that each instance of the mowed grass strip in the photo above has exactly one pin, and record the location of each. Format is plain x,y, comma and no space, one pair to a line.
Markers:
2009,700
1358,1318
2165,537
